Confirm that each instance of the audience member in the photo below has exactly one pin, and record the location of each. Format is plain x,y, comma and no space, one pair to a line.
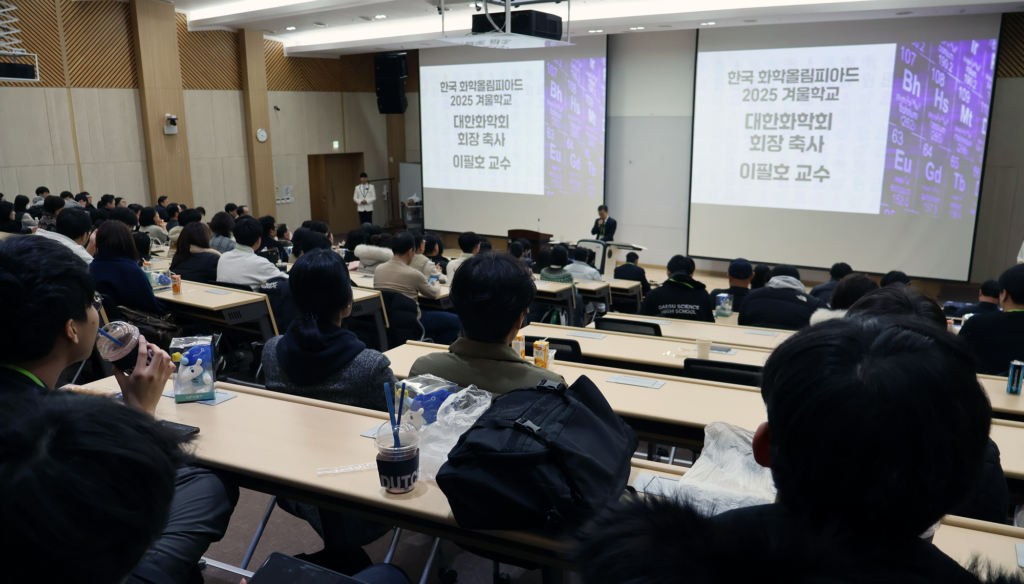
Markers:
194,260
117,273
144,247
84,199
73,230
760,276
283,233
25,213
270,241
107,203
42,192
354,239
485,246
632,271
8,222
988,300
297,239
895,277
241,265
491,297
185,217
136,208
69,200
841,397
314,241
851,288
20,207
740,273
151,224
222,226
120,202
838,271
420,262
580,269
469,243
243,211
435,251
680,296
126,216
556,271
997,338
161,208
172,215
398,276
202,211
231,209
515,249
322,228
374,253
783,303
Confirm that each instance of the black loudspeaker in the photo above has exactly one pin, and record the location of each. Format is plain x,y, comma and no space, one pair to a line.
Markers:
390,71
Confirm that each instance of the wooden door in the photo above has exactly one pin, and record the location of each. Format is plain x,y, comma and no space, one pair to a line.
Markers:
332,180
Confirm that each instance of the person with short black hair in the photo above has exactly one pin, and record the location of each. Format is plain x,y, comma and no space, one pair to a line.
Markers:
515,249
161,202
116,270
469,243
241,265
760,276
51,207
632,271
202,211
997,338
824,291
243,211
851,288
354,239
740,272
194,260
556,272
783,303
222,225
69,200
895,277
283,233
398,276
491,297
364,196
680,296
84,199
172,215
313,241
435,251
231,209
73,230
126,216
42,192
841,397
604,226
161,210
580,269
988,300
421,262
120,202
107,203
8,222
152,224
270,241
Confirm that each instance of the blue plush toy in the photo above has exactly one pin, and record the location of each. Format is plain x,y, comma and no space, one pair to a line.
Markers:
192,368
429,403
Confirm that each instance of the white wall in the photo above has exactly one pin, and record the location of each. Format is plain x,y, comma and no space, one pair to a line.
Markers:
412,129
217,149
366,132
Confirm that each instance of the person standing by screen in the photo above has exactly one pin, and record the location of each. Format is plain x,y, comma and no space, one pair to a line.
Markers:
604,226
364,197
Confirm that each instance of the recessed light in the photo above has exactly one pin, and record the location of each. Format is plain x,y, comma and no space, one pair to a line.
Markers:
320,24
903,13
596,30
711,24
636,28
380,16
289,28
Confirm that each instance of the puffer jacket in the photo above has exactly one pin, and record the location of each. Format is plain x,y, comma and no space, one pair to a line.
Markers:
371,256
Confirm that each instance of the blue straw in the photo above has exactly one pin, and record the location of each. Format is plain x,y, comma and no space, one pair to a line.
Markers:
401,404
391,413
106,334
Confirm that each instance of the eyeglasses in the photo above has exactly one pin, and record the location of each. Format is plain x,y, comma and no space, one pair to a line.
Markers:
97,302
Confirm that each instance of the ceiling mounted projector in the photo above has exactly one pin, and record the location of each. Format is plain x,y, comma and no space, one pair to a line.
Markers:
525,22
527,29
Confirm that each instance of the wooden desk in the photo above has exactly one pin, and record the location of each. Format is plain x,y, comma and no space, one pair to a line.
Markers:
555,294
158,263
442,302
594,291
1004,405
626,290
642,352
222,305
371,303
724,334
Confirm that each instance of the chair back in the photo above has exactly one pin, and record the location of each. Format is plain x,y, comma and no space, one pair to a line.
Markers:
403,326
721,372
241,287
598,247
568,349
621,325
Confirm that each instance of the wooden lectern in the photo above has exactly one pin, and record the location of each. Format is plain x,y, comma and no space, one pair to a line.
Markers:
535,238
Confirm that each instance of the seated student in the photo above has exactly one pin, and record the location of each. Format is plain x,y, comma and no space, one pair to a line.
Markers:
151,224
116,270
838,271
989,497
397,276
895,277
374,253
184,218
469,243
102,512
297,239
194,260
988,300
998,337
322,228
354,239
9,223
270,237
143,247
241,265
222,225
760,276
283,233
580,269
555,271
232,210
279,291
741,272
126,216
491,297
435,251
73,231
850,289
861,470
633,272
485,246
421,262
783,303
515,249
52,205
680,296
172,215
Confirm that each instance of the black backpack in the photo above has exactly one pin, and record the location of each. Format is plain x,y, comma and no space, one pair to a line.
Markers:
541,457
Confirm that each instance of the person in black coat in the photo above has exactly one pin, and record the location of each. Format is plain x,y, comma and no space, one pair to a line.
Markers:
839,271
270,241
783,303
194,260
680,296
741,272
988,300
631,271
997,338
604,226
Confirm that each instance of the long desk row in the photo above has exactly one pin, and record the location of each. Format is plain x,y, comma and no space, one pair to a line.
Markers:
274,443
726,334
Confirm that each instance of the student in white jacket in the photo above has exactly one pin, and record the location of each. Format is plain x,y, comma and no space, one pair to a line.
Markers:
364,197
241,265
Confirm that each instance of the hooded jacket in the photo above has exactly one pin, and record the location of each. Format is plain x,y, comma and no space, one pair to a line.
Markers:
371,256
783,304
680,297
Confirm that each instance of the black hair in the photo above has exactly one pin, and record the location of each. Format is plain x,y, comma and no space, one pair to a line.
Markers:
247,231
417,239
681,264
307,223
363,175
840,270
135,207
543,258
124,215
783,270
602,208
40,191
193,234
222,224
516,249
313,241
991,288
632,258
282,228
173,209
580,254
891,394
202,211
87,488
53,204
591,256
230,207
468,242
82,196
297,238
115,237
851,289
373,229
269,224
381,240
243,209
490,294
147,217
525,243
20,204
895,277
760,276
160,200
485,246
73,223
117,200
106,200
189,216
559,256
899,300
49,285
143,245
320,285
402,242
433,241
1012,281
355,238
319,227
66,195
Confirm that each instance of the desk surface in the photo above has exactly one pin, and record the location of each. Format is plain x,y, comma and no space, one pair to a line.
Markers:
1001,401
644,349
745,336
209,297
365,281
589,285
552,287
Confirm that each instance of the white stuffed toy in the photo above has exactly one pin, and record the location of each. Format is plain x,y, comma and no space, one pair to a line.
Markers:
195,374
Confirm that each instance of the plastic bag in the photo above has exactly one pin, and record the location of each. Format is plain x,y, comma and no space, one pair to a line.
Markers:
726,476
193,381
456,415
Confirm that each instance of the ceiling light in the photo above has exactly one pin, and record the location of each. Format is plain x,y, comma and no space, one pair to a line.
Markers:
380,16
903,13
366,18
289,28
636,28
596,30
711,24
320,24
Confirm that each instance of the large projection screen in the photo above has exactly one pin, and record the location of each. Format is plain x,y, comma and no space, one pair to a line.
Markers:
860,142
513,139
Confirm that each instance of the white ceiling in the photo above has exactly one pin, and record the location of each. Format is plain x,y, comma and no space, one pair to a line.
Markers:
416,23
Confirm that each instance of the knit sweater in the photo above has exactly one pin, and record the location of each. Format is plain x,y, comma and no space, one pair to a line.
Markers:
560,275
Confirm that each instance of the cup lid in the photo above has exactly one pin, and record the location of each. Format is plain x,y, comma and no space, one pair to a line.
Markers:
408,436
125,332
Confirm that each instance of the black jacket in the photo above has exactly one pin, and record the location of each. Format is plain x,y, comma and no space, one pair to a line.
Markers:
823,292
680,297
996,338
635,273
781,308
979,308
990,497
199,267
609,229
282,303
738,294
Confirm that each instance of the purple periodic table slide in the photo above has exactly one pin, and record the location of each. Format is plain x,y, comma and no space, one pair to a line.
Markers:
941,97
574,127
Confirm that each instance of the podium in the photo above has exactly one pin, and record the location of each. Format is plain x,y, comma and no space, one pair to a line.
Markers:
535,238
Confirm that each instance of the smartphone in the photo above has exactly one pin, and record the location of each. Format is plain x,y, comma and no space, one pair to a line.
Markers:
432,280
186,430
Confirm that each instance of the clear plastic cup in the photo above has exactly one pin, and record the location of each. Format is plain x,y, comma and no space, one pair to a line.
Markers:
125,355
398,467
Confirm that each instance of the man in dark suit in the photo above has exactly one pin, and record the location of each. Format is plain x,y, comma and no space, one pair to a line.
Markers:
988,300
631,271
604,226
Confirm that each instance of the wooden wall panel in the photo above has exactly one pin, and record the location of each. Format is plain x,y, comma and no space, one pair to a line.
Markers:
283,73
38,25
252,48
98,37
209,58
356,73
412,83
1011,51
349,73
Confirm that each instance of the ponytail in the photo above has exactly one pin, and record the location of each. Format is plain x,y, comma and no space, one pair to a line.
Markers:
307,335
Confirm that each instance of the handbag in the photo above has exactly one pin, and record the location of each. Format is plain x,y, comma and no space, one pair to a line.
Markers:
159,330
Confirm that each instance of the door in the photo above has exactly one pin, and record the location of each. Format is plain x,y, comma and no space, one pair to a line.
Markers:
332,180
